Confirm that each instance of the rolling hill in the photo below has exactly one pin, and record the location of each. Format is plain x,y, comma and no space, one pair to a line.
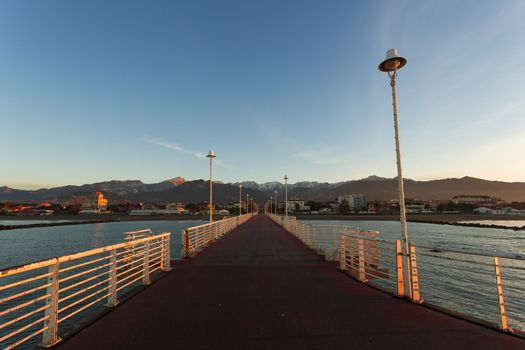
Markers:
179,190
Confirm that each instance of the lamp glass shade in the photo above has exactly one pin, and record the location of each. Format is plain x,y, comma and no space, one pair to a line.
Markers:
211,154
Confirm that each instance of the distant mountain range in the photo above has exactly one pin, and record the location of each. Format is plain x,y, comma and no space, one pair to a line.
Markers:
180,190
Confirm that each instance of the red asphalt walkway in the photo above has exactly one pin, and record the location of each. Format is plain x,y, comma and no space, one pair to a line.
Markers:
260,288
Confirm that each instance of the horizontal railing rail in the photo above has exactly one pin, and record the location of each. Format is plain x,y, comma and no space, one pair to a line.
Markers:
196,238
481,286
41,298
132,235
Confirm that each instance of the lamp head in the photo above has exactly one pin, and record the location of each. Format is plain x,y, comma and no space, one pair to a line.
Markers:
392,61
211,154
286,177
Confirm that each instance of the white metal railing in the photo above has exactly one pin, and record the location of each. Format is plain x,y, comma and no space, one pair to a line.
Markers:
133,235
40,298
196,238
481,285
478,285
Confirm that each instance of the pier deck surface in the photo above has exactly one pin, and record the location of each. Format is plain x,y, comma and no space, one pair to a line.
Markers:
260,288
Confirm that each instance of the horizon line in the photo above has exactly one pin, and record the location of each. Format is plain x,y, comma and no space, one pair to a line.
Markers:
36,187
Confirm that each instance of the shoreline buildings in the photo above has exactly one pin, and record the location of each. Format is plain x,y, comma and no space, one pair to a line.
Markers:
354,201
95,204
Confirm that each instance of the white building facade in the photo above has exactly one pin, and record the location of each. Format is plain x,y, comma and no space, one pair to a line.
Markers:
357,201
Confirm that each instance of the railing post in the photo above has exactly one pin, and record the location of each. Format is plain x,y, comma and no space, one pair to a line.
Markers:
414,276
112,282
50,335
342,253
503,315
399,267
166,252
198,235
362,271
352,253
183,244
145,265
314,238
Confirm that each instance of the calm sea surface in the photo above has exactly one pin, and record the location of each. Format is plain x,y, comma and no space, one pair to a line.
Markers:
444,236
20,246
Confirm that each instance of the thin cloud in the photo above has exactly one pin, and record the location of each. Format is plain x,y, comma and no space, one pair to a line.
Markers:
174,147
179,148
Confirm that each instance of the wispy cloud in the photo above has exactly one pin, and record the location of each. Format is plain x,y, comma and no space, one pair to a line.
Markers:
178,148
174,147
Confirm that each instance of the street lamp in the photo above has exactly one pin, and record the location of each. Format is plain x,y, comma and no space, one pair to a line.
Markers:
392,63
275,202
271,204
286,196
211,155
240,200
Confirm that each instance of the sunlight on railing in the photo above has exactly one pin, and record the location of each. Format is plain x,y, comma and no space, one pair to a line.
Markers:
37,298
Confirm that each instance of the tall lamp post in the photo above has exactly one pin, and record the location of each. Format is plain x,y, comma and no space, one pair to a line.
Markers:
211,155
271,204
240,200
275,202
392,63
286,196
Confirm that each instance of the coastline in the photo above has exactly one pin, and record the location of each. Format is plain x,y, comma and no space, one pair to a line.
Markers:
83,219
440,219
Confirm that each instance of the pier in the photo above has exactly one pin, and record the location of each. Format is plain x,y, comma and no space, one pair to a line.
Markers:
258,287
256,282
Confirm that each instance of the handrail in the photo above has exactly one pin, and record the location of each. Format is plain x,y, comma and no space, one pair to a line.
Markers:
196,238
39,297
441,277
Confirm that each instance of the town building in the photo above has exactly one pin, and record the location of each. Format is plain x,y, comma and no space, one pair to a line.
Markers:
176,206
297,205
414,208
472,199
493,211
96,203
354,201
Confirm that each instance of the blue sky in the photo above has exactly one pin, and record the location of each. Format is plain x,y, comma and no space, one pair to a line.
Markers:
99,90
